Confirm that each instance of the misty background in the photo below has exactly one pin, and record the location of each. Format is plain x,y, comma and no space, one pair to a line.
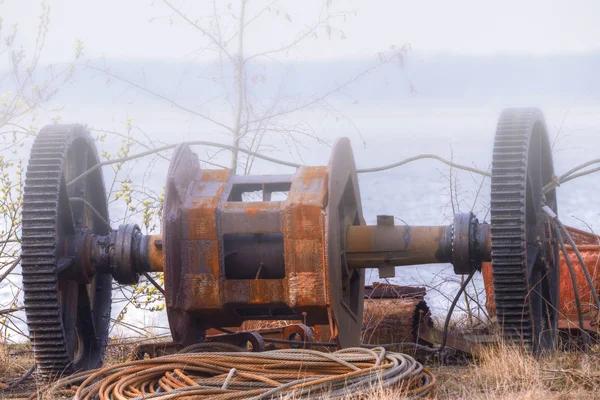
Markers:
464,62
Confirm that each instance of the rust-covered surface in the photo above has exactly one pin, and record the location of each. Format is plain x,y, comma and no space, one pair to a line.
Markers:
230,258
155,254
388,291
589,247
394,314
276,334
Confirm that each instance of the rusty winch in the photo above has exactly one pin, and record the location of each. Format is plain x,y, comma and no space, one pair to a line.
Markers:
301,257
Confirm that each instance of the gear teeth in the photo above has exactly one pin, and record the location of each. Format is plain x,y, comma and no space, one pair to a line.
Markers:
507,226
508,207
40,280
39,254
39,247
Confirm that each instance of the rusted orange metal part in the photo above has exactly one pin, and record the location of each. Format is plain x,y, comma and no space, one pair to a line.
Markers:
589,247
394,314
155,254
209,296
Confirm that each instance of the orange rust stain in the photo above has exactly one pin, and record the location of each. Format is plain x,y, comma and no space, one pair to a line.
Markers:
202,222
325,271
253,209
155,255
259,293
312,173
303,226
307,255
321,333
215,175
264,291
567,297
211,256
194,256
307,289
308,198
394,320
203,292
488,283
313,189
208,254
201,216
306,222
567,305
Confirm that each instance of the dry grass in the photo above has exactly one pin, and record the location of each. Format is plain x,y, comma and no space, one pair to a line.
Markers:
377,393
501,372
505,372
15,360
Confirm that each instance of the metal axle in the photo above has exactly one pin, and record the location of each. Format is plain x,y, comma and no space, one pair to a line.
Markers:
126,253
465,244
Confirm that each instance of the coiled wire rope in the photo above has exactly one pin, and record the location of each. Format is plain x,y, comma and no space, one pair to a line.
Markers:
241,375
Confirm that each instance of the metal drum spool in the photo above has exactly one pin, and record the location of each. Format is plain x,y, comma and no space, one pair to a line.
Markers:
227,261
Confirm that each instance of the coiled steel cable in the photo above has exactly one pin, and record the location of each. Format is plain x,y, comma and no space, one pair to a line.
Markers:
462,289
584,267
235,375
558,227
563,248
199,347
569,175
271,159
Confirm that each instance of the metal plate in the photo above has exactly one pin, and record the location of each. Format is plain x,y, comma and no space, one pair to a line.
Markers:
345,291
184,166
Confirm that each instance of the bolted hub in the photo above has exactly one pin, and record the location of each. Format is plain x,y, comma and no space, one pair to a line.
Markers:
124,253
471,243
76,264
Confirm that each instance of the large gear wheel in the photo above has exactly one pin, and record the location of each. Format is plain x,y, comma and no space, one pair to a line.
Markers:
524,253
67,316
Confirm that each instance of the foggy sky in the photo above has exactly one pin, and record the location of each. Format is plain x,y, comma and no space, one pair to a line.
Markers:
144,29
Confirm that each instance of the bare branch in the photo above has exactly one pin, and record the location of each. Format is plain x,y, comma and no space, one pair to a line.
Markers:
299,38
160,96
330,92
205,32
241,87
